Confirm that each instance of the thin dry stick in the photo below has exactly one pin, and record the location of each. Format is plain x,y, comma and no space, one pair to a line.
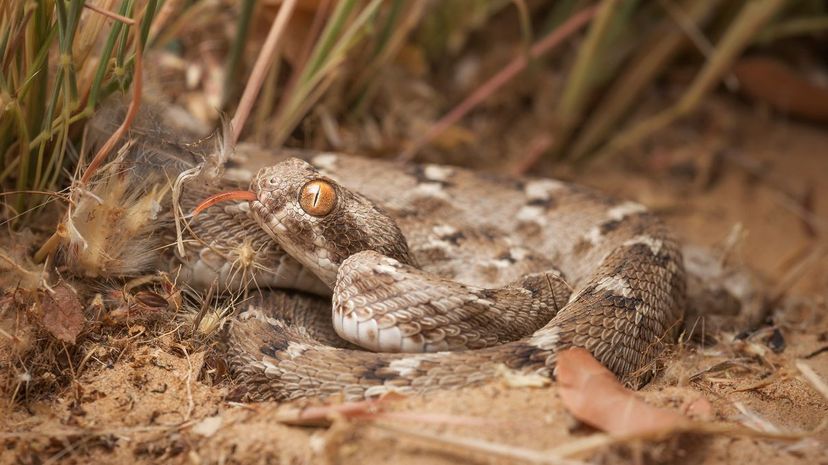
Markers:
572,25
263,63
481,445
109,14
535,150
132,111
304,55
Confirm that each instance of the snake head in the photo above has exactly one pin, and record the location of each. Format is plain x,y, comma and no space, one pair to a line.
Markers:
318,221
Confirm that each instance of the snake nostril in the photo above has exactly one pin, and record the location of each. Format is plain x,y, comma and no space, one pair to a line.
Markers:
272,180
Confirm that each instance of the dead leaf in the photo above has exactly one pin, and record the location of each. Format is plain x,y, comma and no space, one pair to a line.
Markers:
782,87
62,314
593,395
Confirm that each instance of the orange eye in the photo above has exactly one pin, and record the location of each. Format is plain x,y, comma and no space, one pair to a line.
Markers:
317,197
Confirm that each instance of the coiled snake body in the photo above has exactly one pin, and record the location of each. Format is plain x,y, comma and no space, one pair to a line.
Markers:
467,271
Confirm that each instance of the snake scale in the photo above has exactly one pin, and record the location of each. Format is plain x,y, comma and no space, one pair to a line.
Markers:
445,274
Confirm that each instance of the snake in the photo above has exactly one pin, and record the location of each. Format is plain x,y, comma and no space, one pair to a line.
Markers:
363,276
412,278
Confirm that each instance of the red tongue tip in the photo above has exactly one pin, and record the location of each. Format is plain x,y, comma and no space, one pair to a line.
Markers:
222,197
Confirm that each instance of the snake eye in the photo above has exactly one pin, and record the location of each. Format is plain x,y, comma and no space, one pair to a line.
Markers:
317,197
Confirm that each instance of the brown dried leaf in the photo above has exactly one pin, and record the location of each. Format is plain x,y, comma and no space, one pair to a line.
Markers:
62,314
772,81
593,395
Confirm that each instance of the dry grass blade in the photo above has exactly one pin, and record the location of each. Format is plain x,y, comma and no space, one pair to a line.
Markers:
739,35
582,78
44,102
263,63
132,111
649,60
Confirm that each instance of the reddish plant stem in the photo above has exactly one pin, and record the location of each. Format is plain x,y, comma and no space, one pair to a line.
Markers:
263,63
550,41
134,105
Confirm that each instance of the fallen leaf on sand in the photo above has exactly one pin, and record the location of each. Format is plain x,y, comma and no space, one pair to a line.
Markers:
62,314
593,395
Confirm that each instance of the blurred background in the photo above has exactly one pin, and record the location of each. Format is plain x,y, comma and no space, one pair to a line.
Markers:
532,84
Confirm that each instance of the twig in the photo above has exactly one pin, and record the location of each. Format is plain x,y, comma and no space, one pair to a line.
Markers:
643,67
536,148
480,445
263,63
572,25
110,14
134,105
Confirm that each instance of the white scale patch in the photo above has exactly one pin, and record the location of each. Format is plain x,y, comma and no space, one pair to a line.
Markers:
518,253
531,214
437,173
407,367
617,213
443,230
325,161
436,241
243,207
624,210
651,242
594,235
381,390
296,349
431,189
540,189
500,263
384,268
615,285
545,339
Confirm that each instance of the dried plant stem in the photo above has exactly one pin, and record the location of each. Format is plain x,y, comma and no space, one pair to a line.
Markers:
236,50
643,68
750,19
134,105
572,25
582,79
263,63
480,445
